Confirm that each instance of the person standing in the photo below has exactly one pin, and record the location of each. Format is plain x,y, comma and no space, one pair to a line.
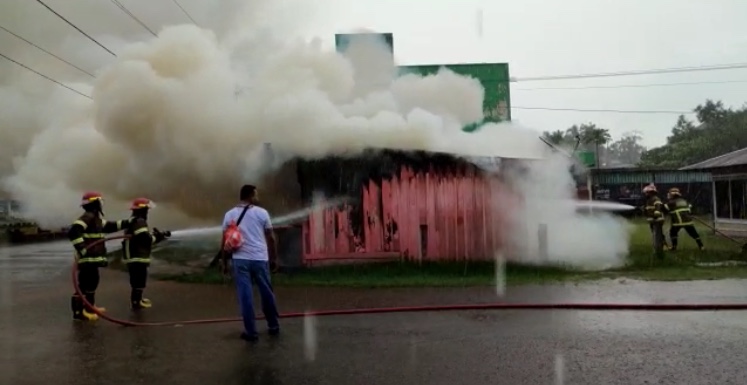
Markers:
679,210
252,259
87,234
653,210
136,250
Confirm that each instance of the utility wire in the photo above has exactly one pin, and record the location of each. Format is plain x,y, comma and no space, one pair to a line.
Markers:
605,110
717,67
47,52
131,15
44,76
76,27
630,85
184,11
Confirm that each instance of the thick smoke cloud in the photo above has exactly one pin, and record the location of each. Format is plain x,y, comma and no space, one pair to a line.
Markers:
184,118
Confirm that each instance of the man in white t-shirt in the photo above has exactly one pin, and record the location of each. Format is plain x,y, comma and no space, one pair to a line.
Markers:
251,262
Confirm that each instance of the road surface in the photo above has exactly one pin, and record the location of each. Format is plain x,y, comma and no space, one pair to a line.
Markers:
40,344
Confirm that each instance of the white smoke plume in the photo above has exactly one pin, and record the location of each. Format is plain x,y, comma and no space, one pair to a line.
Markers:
183,118
546,191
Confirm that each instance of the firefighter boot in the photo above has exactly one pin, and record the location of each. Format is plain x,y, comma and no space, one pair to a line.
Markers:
137,301
91,298
79,312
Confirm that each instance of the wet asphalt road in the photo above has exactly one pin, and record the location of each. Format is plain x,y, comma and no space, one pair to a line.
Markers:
39,344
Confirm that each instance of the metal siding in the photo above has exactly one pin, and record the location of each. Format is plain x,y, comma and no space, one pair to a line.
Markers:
668,177
417,216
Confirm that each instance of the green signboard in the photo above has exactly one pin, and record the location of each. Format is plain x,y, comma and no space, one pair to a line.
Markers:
588,158
494,79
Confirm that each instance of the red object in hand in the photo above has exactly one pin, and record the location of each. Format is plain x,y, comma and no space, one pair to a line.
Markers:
232,238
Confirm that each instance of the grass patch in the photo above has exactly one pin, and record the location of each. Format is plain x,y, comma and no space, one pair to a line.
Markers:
676,266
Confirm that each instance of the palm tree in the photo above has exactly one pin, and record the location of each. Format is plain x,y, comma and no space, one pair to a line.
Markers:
595,136
556,137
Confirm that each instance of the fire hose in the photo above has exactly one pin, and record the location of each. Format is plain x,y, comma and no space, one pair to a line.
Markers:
417,309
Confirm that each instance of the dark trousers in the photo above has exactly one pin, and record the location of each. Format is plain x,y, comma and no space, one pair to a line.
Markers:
88,282
689,229
657,235
255,272
138,279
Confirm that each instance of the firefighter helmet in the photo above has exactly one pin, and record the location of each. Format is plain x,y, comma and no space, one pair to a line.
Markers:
674,191
650,188
91,197
142,203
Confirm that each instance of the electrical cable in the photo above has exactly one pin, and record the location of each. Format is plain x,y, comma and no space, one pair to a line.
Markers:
717,67
45,76
184,11
630,85
417,309
47,52
76,27
131,15
606,110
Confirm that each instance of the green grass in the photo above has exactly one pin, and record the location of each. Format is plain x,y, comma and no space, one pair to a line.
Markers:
677,266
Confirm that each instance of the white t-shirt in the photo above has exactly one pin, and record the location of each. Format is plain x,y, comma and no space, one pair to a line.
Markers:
252,227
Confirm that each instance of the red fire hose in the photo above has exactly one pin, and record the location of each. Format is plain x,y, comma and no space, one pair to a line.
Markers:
415,309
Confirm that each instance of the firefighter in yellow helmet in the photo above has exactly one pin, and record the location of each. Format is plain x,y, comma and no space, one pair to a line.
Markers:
654,212
86,234
681,217
137,248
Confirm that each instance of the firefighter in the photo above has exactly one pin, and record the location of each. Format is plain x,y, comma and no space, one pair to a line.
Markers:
653,210
137,249
83,233
681,217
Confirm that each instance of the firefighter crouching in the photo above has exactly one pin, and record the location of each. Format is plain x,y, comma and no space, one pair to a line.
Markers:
681,216
654,214
84,232
137,250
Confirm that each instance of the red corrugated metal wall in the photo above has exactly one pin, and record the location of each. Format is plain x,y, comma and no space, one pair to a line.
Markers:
418,216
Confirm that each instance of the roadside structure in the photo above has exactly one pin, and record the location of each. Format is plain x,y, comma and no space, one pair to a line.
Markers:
729,186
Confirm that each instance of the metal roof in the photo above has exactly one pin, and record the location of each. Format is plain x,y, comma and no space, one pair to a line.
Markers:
734,158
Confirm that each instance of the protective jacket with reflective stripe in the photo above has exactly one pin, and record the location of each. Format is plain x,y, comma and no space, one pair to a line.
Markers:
653,209
88,229
138,246
679,211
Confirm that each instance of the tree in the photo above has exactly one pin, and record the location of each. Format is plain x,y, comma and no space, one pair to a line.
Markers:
556,137
721,130
596,137
627,150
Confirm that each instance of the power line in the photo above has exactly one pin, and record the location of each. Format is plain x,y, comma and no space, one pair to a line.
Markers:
76,27
630,85
184,11
131,15
717,67
605,110
47,52
44,76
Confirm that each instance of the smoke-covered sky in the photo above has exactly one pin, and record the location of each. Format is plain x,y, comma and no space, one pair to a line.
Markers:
536,37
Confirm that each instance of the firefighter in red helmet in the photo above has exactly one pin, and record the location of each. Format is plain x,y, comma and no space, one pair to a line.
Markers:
654,212
137,249
84,234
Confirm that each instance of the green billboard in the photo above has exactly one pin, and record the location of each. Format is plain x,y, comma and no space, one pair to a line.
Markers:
494,79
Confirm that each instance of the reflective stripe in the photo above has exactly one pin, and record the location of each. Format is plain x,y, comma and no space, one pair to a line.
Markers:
119,225
92,260
94,235
140,260
140,231
81,223
682,224
77,241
